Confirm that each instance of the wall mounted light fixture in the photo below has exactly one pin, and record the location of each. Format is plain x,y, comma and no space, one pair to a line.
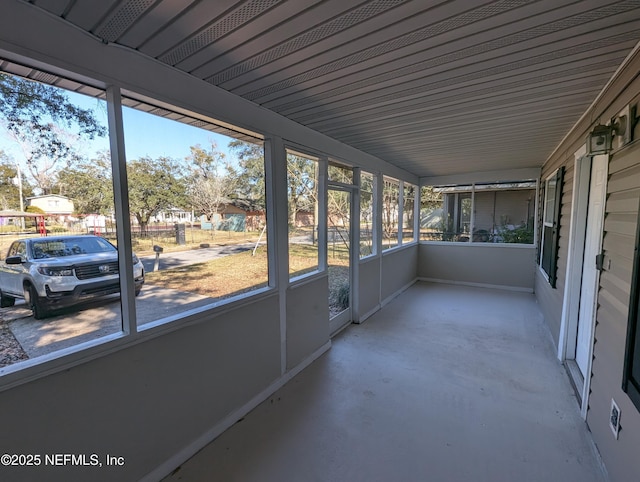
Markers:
600,139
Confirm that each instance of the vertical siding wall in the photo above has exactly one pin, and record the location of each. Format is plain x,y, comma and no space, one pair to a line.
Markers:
621,457
550,299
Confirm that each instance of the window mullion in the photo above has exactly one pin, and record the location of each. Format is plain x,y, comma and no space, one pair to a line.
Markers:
121,201
400,212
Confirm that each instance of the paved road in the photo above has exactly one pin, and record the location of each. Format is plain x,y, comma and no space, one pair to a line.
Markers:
192,256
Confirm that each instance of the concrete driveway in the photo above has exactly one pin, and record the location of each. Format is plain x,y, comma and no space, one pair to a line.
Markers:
93,320
99,318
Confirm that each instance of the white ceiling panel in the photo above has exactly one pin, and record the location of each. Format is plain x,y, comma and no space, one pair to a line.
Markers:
199,18
394,78
153,22
57,7
87,14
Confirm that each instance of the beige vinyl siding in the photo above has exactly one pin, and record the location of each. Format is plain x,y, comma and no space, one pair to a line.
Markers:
623,196
617,96
550,299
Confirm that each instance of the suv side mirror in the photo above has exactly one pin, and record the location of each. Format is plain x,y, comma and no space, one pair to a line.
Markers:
13,260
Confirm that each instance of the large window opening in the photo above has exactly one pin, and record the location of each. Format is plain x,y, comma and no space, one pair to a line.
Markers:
197,206
367,214
390,213
501,212
408,212
58,271
302,193
196,198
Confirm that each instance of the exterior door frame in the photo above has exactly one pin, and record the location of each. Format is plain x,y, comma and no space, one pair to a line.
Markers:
573,284
342,320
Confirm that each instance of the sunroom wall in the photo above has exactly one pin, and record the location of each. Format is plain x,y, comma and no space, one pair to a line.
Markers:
495,265
157,399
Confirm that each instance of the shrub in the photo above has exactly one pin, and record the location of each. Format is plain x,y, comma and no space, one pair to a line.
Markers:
342,296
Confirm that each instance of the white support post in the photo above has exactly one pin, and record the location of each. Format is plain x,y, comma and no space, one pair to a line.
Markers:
472,221
377,219
323,195
354,224
121,199
416,214
275,158
400,212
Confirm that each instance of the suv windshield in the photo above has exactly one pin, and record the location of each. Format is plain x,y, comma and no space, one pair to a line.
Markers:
69,247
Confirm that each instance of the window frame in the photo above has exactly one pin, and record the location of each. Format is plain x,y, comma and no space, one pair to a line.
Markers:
392,181
416,213
130,333
470,194
552,273
631,384
374,212
322,173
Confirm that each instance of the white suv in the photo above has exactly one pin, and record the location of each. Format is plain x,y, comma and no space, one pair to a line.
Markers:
58,271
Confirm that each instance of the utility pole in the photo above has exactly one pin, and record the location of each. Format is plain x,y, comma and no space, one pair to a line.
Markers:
20,191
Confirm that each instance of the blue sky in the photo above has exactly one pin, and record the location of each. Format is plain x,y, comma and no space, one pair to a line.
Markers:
145,135
153,136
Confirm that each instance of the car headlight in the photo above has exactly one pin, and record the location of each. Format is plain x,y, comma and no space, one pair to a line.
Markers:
55,271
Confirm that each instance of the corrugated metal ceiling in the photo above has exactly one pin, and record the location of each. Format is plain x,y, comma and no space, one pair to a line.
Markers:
434,87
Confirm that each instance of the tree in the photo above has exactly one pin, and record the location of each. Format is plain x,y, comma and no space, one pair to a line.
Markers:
429,199
251,172
408,207
301,185
154,185
45,124
301,178
390,197
9,188
213,181
90,185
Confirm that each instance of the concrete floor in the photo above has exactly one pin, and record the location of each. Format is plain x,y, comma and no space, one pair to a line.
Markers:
446,383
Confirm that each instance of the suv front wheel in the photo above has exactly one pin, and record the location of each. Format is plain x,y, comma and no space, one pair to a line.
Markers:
33,301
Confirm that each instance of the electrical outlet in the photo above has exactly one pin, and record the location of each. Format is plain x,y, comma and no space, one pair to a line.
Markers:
614,418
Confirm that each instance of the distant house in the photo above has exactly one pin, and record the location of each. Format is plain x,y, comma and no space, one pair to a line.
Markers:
173,215
54,205
236,215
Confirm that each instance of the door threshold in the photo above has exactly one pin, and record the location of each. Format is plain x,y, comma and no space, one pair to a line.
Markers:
576,378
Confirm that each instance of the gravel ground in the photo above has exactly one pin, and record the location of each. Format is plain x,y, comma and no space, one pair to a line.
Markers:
10,350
